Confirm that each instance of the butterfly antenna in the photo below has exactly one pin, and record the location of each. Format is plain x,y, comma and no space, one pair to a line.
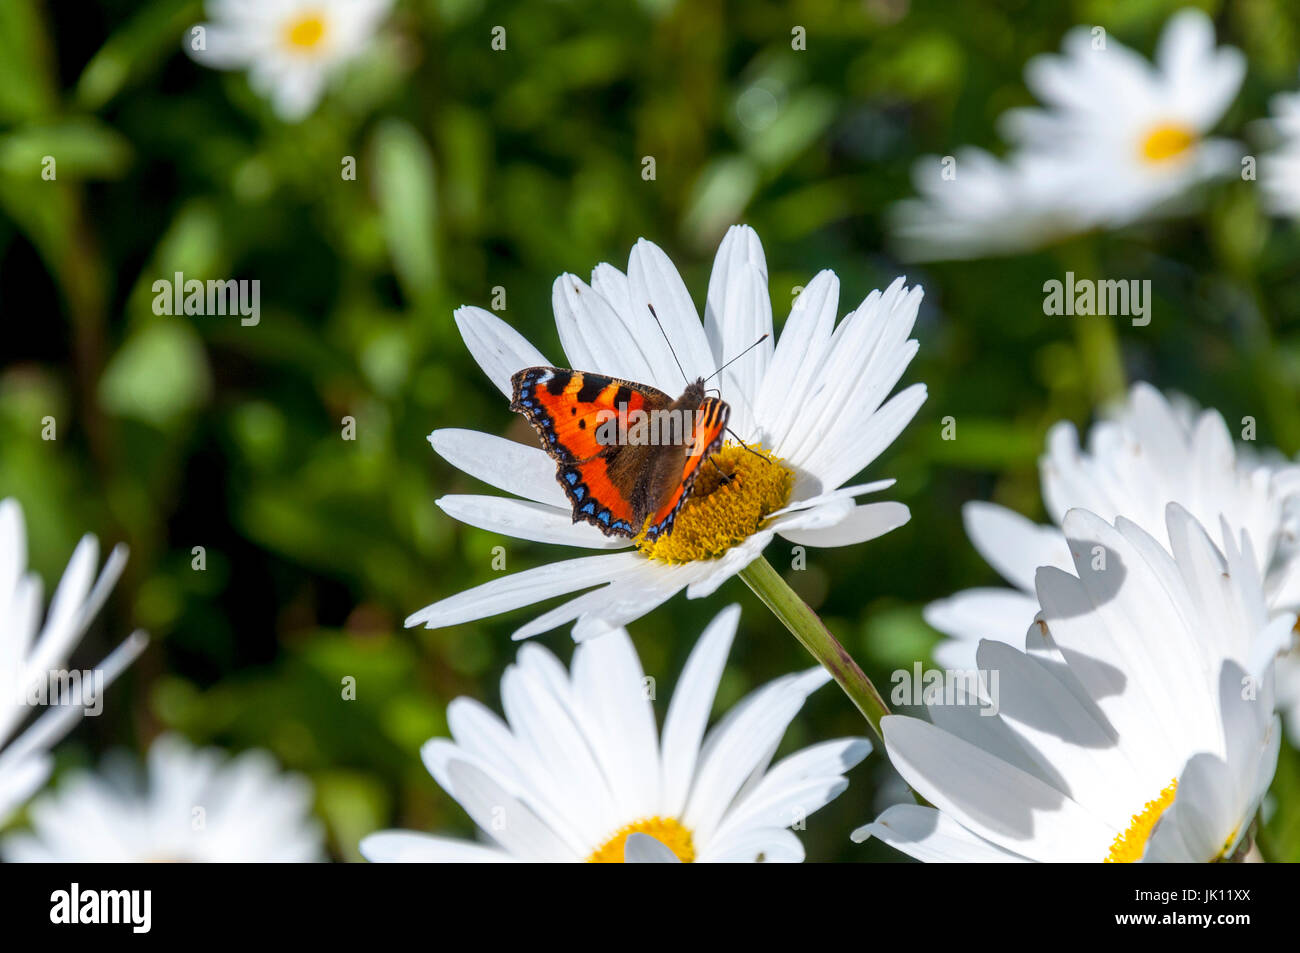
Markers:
670,343
737,357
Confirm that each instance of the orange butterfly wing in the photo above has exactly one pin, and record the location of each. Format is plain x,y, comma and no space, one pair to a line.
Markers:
568,410
706,438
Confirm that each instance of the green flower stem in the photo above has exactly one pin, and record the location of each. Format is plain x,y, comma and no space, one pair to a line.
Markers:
1096,336
816,638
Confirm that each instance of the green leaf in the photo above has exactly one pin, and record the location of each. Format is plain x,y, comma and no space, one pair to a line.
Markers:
158,376
192,245
799,122
153,33
27,85
81,148
406,190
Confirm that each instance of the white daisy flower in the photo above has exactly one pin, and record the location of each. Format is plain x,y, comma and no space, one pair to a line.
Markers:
1279,170
1137,724
290,48
1149,455
194,806
31,650
1120,140
811,405
578,768
1140,130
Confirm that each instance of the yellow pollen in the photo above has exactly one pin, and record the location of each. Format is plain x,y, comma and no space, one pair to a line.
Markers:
1130,845
1169,140
306,32
718,515
666,830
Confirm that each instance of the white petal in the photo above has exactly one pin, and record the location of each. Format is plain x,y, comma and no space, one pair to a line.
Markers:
499,349
593,334
297,92
774,845
869,353
741,743
548,724
932,837
654,281
1013,545
615,709
224,47
797,786
524,519
706,576
1067,739
737,314
993,799
844,494
1001,614
522,589
692,701
643,849
797,361
409,847
863,523
861,445
506,819
17,783
525,471
626,604
634,588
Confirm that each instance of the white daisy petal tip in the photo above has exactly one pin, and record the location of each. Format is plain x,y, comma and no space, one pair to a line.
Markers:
38,646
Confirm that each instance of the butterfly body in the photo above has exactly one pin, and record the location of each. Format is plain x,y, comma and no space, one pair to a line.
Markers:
625,452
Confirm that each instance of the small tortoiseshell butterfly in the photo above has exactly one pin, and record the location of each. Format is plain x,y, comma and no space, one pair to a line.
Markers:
616,484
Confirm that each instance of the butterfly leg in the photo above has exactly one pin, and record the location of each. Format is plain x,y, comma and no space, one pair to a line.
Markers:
726,477
747,446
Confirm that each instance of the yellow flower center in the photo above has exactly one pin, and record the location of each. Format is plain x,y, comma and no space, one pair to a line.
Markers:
305,32
1130,845
1169,140
727,505
666,830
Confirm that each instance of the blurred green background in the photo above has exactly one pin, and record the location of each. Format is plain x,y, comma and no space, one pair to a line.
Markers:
476,169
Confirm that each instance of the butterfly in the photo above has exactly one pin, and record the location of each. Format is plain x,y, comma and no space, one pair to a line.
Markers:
615,481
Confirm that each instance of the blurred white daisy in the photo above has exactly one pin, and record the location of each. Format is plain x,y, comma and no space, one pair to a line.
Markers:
33,653
811,404
193,806
290,48
1120,140
1137,725
1140,130
578,766
974,205
1279,169
1150,454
